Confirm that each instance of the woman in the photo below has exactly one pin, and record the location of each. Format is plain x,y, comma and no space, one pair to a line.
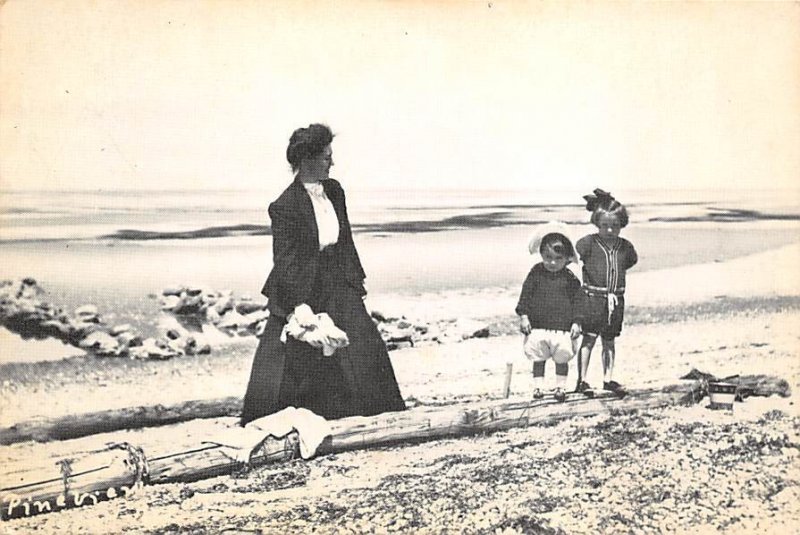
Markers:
315,263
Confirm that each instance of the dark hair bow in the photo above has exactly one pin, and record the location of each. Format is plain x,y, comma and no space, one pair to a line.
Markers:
599,198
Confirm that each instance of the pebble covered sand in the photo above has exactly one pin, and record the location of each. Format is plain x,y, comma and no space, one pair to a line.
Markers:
672,470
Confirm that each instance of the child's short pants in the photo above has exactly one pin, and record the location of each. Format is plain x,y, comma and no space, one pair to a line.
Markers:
594,314
543,344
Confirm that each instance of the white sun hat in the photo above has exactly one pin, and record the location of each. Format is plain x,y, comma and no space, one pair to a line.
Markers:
553,227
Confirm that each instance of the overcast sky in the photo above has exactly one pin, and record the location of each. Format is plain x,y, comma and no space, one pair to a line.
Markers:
202,94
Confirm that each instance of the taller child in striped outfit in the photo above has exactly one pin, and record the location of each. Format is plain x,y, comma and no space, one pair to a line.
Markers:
601,303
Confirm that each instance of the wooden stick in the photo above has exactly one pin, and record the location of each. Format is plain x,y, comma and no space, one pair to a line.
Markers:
507,384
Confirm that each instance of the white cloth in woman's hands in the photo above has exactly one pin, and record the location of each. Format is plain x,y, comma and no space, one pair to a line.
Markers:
317,330
304,316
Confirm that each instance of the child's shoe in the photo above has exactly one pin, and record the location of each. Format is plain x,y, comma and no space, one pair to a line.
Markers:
584,388
615,387
537,393
560,395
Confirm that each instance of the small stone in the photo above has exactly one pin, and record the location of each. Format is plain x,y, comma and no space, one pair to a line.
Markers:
100,342
119,329
175,291
189,304
224,304
86,310
172,334
232,319
256,317
248,307
129,339
55,327
170,302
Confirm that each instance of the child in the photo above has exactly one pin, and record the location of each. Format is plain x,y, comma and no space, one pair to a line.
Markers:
601,303
546,310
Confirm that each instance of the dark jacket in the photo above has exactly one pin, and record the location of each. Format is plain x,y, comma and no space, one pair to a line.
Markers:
604,266
548,299
295,247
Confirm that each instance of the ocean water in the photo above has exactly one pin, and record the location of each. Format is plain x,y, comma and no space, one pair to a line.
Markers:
413,244
82,215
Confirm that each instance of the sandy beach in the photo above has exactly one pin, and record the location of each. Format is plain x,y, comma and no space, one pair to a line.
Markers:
145,145
723,315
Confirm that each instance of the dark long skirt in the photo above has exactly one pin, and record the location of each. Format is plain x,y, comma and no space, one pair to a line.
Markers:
355,380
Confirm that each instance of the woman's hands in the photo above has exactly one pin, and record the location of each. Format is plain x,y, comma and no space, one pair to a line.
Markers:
524,324
304,315
575,331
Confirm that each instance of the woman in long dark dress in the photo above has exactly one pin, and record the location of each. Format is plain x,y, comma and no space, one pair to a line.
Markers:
315,263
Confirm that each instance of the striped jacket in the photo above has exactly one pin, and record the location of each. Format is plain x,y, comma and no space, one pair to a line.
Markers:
604,266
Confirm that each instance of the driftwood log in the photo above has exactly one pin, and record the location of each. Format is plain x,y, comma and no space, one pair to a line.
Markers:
121,469
81,425
103,475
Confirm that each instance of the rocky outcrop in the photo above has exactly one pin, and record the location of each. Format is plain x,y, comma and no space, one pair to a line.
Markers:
235,316
400,332
243,316
24,312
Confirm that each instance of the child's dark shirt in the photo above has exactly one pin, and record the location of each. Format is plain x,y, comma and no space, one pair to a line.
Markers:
547,298
604,266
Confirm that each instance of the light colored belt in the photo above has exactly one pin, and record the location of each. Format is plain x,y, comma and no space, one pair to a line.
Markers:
611,297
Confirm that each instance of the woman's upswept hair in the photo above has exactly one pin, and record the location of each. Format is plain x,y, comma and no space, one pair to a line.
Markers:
602,203
307,142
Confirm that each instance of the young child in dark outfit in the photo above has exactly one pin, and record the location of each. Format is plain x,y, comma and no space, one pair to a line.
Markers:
601,303
546,309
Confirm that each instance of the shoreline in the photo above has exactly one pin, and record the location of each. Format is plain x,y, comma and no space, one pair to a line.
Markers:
83,383
741,277
450,259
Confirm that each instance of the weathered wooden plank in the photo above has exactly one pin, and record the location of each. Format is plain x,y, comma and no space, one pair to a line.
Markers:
71,483
212,460
80,425
485,417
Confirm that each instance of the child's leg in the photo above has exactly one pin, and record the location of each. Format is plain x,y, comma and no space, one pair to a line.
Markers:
561,374
538,373
536,350
609,354
584,353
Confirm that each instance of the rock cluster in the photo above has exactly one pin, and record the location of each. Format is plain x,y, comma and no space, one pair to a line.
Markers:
400,332
240,316
243,316
23,312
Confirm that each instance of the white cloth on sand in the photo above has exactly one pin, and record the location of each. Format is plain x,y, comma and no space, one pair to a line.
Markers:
317,330
240,442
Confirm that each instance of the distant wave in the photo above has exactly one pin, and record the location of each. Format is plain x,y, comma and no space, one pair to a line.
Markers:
501,216
471,221
208,232
728,215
